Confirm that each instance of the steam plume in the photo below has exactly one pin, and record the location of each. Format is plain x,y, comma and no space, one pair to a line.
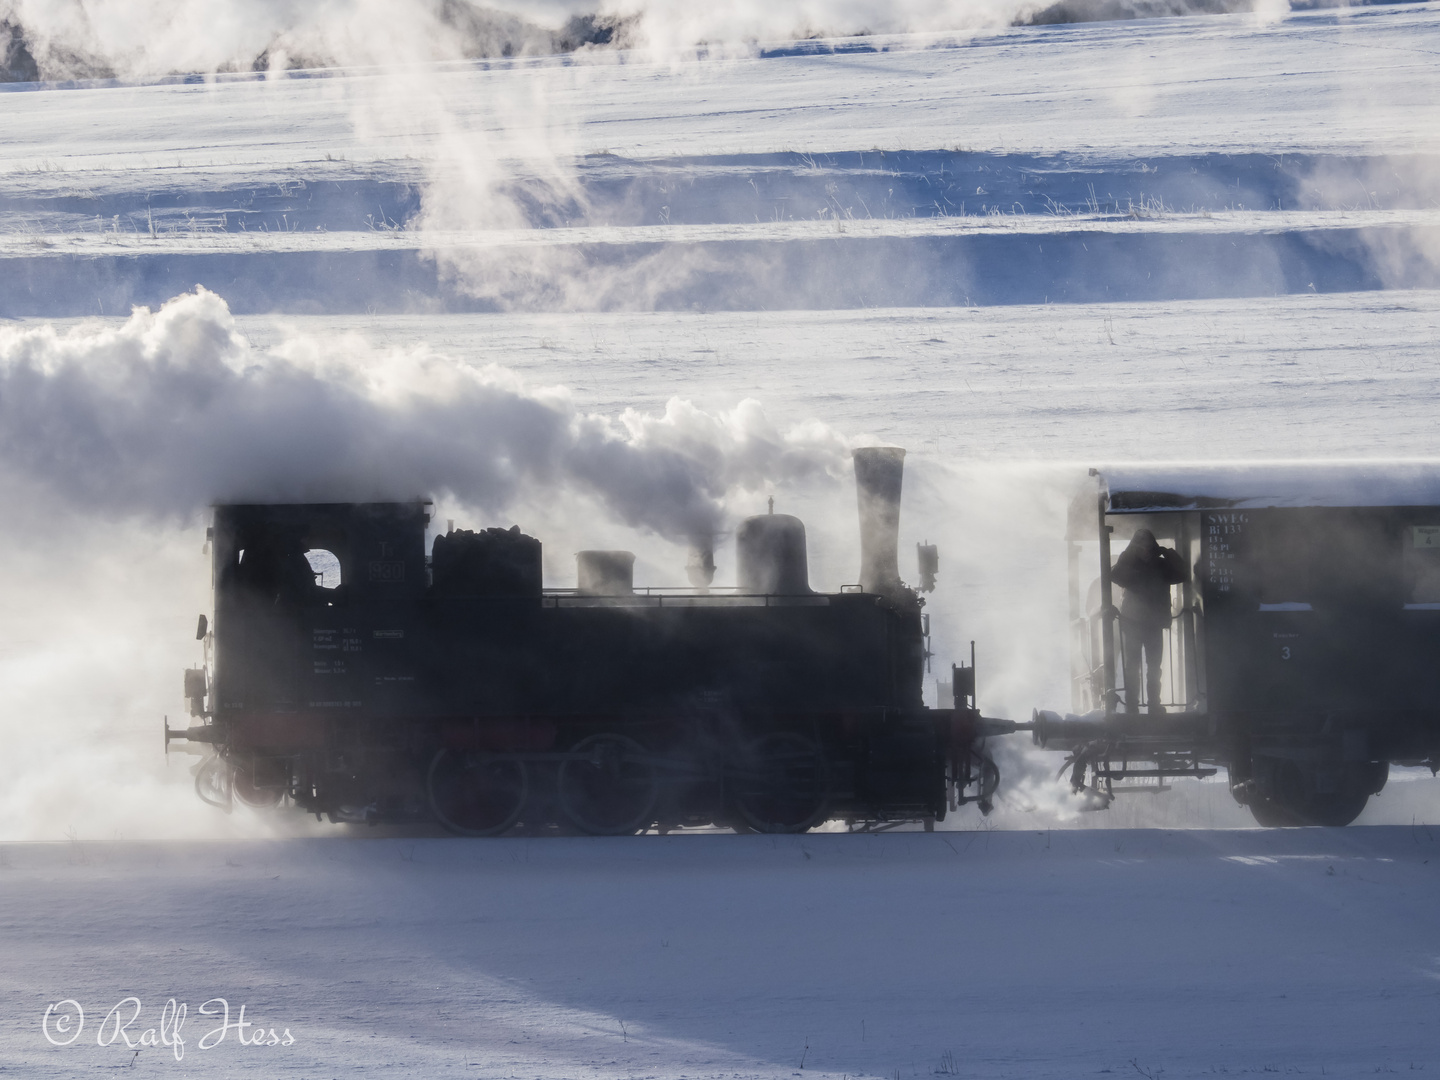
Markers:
174,409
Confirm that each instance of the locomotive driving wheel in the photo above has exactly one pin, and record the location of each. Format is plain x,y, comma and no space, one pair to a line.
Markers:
476,794
783,784
606,787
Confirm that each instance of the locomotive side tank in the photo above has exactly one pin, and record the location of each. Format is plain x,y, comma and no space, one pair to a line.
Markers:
353,677
1303,648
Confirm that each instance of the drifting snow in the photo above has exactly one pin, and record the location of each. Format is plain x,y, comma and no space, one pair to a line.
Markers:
1193,155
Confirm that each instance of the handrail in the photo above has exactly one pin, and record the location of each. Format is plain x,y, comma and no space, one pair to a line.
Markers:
574,598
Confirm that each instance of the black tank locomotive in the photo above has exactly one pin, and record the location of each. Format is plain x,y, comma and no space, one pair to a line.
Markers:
457,687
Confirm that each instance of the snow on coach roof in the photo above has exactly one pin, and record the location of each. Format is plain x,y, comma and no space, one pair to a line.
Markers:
1151,488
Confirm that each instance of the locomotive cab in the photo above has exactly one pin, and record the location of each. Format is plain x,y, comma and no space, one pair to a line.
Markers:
297,588
1301,648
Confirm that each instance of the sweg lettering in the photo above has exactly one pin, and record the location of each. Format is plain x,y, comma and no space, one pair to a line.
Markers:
64,1021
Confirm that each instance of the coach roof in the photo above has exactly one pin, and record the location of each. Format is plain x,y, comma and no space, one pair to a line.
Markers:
1153,488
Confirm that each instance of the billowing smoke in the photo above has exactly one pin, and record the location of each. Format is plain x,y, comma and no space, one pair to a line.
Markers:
175,409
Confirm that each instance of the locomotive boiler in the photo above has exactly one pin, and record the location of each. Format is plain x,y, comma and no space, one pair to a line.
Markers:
352,674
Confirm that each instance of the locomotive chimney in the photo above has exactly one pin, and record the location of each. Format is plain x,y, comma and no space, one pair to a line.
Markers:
700,567
879,472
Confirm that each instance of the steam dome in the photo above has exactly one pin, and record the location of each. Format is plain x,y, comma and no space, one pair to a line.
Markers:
605,573
770,555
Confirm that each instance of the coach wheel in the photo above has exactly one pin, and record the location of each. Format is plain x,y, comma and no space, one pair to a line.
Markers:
782,784
1335,810
606,787
475,794
1271,815
1292,800
1327,810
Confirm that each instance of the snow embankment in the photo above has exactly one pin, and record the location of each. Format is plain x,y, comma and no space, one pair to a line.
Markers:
1163,160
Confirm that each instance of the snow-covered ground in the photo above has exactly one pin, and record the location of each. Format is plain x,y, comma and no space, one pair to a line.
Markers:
983,954
868,238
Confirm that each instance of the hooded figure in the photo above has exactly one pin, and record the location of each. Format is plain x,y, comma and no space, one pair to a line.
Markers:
1145,571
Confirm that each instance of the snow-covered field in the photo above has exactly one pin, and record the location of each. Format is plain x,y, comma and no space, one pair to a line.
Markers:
1015,253
984,954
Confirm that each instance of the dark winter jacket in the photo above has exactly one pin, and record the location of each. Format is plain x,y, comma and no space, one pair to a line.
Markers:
1146,571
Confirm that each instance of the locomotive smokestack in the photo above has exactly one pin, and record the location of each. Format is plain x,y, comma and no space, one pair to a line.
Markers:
700,567
879,472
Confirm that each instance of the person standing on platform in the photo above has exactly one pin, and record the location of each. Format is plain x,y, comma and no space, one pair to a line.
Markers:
1145,570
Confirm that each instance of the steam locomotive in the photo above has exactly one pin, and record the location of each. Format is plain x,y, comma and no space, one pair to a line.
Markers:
352,676
1303,650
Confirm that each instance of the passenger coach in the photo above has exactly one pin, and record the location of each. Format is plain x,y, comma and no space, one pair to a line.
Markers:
1302,652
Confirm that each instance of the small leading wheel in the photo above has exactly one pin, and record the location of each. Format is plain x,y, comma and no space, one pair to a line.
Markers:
214,782
477,795
260,782
782,784
607,787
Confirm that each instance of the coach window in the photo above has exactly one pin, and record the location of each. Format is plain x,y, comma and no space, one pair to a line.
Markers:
1421,544
1283,565
1358,564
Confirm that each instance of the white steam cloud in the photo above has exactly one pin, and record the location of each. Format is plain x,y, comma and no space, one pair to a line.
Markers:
175,409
